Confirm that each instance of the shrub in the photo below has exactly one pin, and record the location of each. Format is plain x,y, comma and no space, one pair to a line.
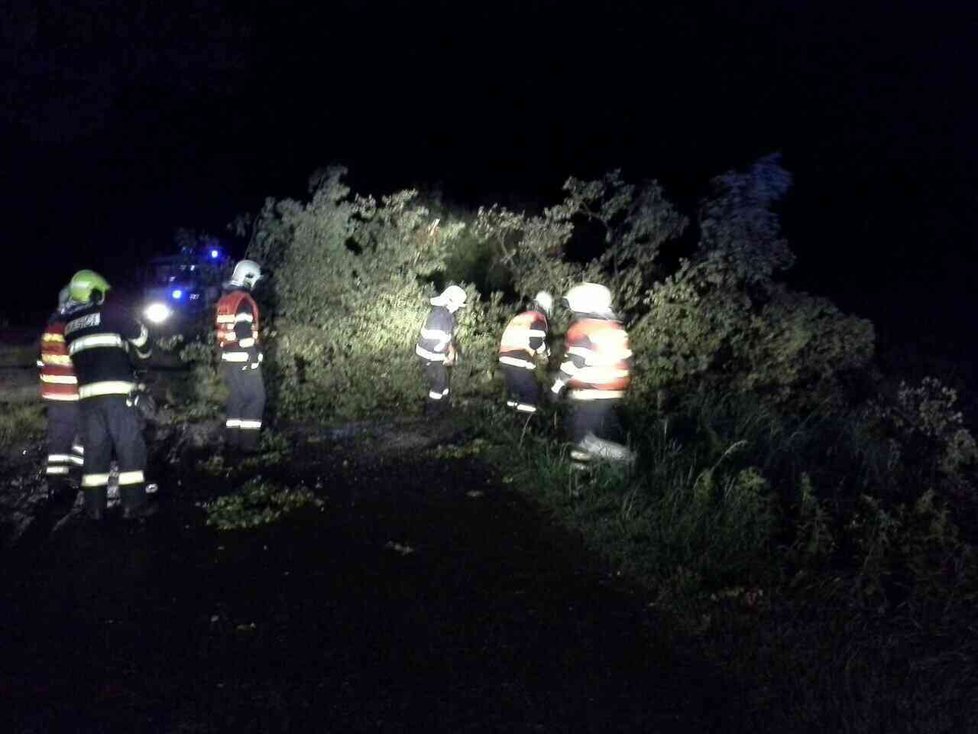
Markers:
20,424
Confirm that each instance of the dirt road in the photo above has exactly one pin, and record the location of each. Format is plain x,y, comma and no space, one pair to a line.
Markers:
424,596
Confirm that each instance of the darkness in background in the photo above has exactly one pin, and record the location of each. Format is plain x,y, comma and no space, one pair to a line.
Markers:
121,121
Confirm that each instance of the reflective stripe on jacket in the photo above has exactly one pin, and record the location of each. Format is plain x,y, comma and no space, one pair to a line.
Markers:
598,359
58,380
99,338
525,336
237,325
436,336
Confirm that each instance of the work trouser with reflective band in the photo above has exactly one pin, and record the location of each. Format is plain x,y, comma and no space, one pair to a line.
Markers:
65,452
111,428
595,417
522,388
437,377
245,405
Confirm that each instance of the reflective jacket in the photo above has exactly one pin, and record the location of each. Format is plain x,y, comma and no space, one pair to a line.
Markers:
598,360
237,327
437,335
525,336
99,338
58,380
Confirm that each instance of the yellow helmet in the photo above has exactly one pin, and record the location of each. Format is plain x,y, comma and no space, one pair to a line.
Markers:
87,285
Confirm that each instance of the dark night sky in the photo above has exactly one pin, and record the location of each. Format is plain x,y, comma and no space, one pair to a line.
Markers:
122,120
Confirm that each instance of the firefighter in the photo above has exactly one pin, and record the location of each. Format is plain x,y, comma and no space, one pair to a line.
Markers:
100,337
59,391
237,337
596,372
524,342
437,348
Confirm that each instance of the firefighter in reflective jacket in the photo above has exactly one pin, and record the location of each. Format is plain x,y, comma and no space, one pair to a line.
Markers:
525,341
59,391
437,348
596,372
237,336
99,336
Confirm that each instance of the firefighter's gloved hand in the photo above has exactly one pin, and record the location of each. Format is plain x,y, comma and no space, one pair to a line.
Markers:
142,401
253,363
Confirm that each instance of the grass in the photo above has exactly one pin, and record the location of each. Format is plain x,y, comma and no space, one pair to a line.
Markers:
775,545
20,424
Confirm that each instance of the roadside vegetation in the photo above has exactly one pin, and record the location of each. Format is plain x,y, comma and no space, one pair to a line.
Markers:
807,519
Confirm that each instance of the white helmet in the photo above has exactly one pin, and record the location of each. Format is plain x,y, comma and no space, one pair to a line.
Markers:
545,301
64,299
589,298
452,298
246,274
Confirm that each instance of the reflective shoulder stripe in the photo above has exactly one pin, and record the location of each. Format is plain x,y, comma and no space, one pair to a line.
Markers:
225,319
94,480
67,397
107,387
93,341
49,337
243,317
435,334
234,357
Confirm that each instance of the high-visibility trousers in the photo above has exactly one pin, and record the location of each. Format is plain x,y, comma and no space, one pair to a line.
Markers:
112,428
65,452
522,388
245,405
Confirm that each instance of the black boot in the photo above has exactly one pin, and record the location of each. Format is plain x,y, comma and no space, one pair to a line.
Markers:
96,502
135,505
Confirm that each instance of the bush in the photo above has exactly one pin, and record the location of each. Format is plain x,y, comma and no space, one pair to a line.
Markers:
21,424
775,471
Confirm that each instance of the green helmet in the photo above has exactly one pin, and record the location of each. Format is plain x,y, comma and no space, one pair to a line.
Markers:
85,283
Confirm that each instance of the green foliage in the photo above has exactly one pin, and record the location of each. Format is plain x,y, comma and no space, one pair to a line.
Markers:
351,282
776,512
20,424
197,393
722,320
258,503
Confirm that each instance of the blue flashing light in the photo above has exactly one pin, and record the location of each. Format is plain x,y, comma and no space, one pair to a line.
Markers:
176,294
215,254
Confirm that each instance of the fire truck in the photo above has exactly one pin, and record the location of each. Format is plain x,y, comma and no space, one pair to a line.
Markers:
180,290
